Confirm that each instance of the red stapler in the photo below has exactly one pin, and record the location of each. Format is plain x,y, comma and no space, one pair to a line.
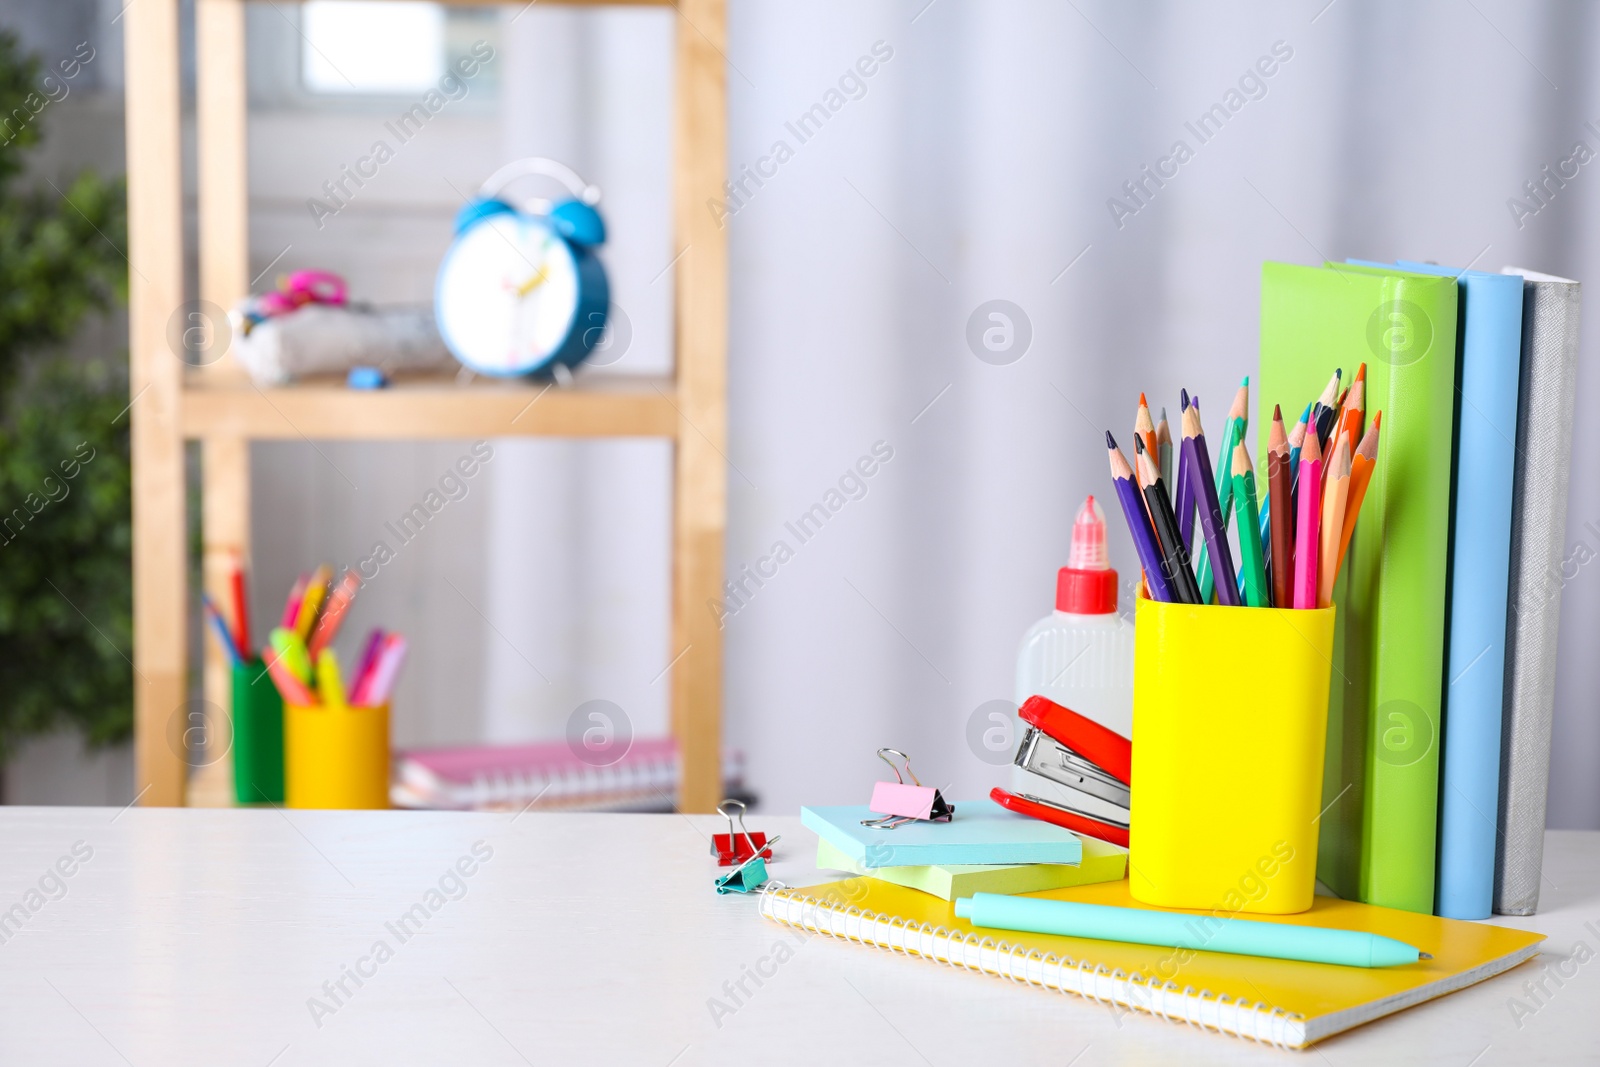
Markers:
1092,764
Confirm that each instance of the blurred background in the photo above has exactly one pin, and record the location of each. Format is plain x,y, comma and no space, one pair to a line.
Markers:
986,159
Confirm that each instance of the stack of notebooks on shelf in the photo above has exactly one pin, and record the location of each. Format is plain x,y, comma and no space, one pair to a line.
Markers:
1440,711
546,776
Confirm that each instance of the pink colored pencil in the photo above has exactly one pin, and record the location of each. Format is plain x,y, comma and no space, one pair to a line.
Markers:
292,689
369,656
380,686
291,607
1306,531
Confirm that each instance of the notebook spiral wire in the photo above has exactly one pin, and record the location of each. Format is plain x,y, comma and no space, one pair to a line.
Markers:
1254,1020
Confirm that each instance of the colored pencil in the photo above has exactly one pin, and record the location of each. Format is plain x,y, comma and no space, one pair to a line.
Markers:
1354,410
291,651
292,689
1185,494
291,607
330,687
369,655
1164,448
1297,440
241,608
1366,457
1335,495
1138,519
219,626
1308,517
1280,493
1145,427
1251,567
384,674
1211,519
1175,560
1233,431
316,592
333,613
1322,411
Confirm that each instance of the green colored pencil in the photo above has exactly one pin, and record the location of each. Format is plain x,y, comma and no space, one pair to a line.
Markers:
1244,505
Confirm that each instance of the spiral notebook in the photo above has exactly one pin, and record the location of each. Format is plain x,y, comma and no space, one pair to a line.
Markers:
1281,1002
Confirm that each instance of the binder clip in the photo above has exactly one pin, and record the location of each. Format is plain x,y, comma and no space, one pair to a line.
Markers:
731,848
1093,765
899,803
750,875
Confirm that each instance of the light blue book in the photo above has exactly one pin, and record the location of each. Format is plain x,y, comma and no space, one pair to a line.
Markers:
1489,375
981,832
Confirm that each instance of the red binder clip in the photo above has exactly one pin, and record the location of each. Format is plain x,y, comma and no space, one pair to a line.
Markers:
737,848
899,803
1093,764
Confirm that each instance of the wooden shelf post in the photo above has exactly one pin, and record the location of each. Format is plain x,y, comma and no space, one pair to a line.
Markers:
700,489
155,294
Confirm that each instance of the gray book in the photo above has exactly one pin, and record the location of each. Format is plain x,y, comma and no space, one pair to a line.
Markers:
1538,536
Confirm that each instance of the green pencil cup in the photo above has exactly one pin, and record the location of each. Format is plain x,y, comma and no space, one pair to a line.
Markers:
257,736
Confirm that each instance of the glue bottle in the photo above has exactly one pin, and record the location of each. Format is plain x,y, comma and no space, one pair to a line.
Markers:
1081,654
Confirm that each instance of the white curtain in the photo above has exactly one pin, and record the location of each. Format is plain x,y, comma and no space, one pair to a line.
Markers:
973,164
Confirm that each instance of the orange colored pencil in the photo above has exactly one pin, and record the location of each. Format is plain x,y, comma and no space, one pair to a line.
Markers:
1145,428
1361,464
1335,496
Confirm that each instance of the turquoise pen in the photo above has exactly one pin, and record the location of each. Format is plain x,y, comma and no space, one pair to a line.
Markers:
1314,944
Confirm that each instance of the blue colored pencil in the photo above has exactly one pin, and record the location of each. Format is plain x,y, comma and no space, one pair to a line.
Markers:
219,626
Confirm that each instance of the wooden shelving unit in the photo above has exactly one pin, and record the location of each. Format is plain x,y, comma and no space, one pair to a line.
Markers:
219,407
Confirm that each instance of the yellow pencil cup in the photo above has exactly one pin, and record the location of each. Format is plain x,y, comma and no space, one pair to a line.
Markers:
336,756
1230,712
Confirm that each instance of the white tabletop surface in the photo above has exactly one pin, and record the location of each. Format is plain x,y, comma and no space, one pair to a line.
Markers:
201,937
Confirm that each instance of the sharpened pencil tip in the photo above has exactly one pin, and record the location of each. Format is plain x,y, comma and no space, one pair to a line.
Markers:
1111,442
1138,444
1183,399
1277,412
1244,383
1424,955
1143,402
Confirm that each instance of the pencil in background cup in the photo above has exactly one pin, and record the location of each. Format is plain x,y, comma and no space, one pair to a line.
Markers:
1184,498
1233,431
1230,710
1164,449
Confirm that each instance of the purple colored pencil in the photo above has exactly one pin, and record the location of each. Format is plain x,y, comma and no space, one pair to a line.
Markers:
1221,556
368,655
1138,523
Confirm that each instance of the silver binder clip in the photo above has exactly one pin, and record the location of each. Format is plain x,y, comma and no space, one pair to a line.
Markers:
898,803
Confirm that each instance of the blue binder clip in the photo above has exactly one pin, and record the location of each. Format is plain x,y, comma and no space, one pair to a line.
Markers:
750,875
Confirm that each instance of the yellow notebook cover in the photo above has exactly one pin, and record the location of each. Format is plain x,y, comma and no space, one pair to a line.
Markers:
1102,862
1280,1002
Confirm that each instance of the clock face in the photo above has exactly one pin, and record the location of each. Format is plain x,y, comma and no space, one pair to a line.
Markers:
507,295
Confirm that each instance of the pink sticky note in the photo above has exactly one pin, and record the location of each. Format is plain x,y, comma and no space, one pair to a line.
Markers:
907,801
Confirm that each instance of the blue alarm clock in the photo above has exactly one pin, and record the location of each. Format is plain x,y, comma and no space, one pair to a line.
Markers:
520,289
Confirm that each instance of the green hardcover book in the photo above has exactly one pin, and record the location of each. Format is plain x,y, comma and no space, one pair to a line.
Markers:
1381,776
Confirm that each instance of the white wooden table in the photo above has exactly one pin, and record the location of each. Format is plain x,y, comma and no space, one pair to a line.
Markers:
223,937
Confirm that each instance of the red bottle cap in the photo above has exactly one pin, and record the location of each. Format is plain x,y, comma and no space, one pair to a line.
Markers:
1087,585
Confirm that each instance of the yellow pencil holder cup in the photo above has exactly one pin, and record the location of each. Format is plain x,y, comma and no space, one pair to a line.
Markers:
336,756
1230,713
